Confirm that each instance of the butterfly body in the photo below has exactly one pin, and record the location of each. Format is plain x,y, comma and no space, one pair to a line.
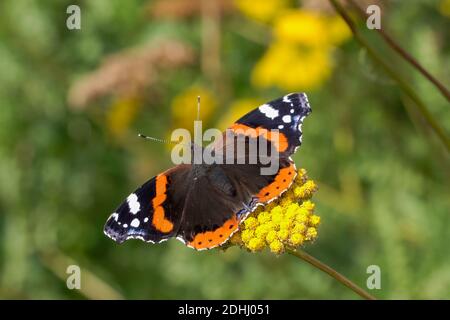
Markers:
203,204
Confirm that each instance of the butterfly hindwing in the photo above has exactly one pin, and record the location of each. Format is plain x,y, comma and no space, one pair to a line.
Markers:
222,197
153,212
210,214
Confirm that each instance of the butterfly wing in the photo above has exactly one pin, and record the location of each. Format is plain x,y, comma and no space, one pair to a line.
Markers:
153,212
285,114
279,123
221,199
234,190
211,214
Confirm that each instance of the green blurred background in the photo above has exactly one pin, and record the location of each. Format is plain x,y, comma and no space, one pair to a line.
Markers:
73,101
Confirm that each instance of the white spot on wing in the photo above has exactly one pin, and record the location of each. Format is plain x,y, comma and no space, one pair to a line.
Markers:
125,225
286,98
286,119
145,219
114,216
280,126
269,111
133,203
135,223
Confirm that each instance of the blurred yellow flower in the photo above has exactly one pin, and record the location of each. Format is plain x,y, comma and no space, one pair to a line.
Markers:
310,28
301,26
261,10
237,109
300,58
184,107
288,222
338,30
292,67
121,115
444,7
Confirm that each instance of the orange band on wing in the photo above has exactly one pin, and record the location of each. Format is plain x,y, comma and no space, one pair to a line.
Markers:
277,138
211,239
282,181
159,220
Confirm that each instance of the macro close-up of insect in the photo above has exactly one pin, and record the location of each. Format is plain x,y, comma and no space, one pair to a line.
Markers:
224,158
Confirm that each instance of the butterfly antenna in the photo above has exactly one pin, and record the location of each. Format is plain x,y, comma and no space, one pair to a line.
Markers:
198,108
160,140
154,139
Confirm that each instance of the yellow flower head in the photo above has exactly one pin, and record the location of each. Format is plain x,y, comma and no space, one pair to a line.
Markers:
303,44
247,235
306,190
308,67
288,222
256,244
310,28
296,238
303,27
276,246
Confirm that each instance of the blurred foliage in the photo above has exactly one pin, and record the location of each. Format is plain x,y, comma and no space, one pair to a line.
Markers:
66,163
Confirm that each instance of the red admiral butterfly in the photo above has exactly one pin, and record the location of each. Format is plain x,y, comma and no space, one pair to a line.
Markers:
203,204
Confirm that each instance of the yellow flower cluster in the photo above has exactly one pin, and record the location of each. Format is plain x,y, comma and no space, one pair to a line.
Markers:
292,68
310,28
300,57
288,222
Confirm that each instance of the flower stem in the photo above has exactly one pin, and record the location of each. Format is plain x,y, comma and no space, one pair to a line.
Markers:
406,55
331,272
428,117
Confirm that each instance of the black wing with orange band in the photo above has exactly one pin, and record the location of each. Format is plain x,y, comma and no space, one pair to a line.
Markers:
219,201
229,192
153,212
279,121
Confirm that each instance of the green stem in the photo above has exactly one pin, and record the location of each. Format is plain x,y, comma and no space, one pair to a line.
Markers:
331,272
406,55
394,75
